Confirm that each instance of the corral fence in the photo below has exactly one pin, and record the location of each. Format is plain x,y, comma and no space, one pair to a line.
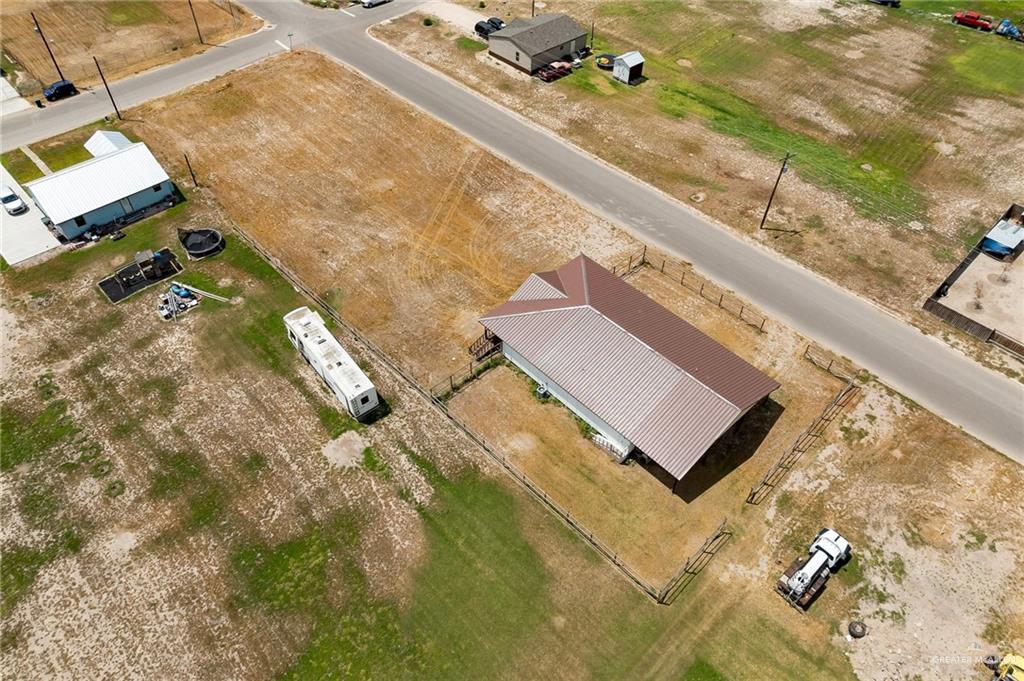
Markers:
693,566
684,275
445,389
814,432
837,366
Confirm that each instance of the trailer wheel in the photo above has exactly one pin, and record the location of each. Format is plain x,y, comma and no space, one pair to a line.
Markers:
858,629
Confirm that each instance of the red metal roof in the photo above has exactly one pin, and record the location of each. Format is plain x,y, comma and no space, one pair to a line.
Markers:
653,377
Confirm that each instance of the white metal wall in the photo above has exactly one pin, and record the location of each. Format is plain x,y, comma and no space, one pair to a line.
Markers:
617,440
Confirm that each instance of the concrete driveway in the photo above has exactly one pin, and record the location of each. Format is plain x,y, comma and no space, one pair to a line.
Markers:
22,236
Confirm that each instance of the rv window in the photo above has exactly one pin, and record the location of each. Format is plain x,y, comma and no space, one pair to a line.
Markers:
364,399
80,221
157,188
517,56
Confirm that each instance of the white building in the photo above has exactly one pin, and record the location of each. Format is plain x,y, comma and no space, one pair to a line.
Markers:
628,68
324,353
122,179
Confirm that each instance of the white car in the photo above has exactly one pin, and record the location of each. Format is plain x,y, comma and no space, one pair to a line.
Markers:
12,203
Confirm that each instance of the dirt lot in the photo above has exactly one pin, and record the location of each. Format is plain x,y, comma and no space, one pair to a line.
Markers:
126,36
409,229
891,122
631,509
413,564
990,293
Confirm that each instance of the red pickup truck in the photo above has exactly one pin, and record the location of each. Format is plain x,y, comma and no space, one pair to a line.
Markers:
973,20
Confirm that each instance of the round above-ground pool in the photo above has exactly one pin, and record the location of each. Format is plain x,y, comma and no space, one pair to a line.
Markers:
201,243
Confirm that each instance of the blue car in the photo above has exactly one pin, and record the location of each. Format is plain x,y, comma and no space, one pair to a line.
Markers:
60,90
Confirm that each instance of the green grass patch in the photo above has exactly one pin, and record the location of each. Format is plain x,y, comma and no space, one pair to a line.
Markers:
880,192
185,474
701,670
25,437
334,421
469,45
372,462
133,13
995,66
174,473
21,565
20,166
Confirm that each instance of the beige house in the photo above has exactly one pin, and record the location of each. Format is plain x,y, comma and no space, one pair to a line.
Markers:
529,44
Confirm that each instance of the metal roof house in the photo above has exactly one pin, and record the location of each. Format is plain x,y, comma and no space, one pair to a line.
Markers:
323,352
529,44
120,180
628,68
639,375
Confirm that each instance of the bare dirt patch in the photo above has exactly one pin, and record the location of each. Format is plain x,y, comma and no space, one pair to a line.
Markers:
409,229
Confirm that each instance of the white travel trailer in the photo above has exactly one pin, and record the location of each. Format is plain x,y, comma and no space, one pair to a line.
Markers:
324,353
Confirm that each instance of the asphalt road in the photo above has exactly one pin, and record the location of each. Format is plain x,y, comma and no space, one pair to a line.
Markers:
984,403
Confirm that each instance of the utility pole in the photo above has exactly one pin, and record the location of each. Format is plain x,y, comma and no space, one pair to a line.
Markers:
196,22
784,168
591,34
195,182
116,110
39,30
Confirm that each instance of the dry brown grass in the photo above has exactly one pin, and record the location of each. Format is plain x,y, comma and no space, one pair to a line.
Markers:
408,228
126,37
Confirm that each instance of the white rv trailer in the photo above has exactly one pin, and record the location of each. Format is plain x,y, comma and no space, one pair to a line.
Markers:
324,353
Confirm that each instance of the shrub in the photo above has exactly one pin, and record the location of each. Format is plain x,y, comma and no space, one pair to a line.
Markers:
429,21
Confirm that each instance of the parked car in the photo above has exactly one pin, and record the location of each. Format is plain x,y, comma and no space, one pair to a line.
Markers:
552,72
114,236
973,20
12,202
497,23
60,90
484,29
373,3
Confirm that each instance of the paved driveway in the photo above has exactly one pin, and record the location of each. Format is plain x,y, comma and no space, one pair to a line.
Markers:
22,236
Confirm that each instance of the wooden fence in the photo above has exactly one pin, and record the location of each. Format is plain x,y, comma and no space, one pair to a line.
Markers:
683,274
814,432
689,570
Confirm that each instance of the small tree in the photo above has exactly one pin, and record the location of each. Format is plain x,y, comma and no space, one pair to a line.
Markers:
979,291
1004,275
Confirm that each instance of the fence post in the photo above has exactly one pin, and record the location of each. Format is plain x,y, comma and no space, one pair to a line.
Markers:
643,256
721,296
682,278
663,265
702,287
451,382
742,308
630,265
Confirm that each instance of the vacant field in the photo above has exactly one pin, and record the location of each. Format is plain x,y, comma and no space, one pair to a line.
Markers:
127,36
890,113
631,509
409,229
246,544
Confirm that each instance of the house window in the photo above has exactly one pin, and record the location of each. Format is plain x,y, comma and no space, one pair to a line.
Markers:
80,221
158,188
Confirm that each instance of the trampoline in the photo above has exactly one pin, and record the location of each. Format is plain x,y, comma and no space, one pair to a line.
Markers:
201,243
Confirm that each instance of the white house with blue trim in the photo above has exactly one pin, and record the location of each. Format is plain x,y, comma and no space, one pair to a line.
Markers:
122,178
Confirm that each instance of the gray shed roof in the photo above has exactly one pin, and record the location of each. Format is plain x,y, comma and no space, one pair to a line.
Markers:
653,377
630,59
540,33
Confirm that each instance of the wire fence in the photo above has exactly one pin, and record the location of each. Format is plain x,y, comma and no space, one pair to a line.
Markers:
663,595
684,275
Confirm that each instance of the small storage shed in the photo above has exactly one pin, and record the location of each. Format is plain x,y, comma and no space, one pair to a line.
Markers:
629,67
323,352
